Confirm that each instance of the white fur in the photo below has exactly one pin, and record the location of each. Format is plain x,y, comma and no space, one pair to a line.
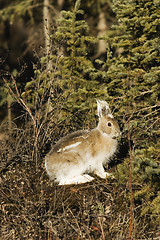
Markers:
77,179
69,147
103,105
110,115
84,137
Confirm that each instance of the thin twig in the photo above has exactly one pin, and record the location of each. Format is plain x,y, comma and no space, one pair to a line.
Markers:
20,100
131,162
101,226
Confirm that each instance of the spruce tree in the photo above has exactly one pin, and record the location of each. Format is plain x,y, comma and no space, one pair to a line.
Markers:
76,77
133,78
72,81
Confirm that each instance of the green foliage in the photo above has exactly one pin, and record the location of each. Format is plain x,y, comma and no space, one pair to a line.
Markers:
5,95
133,79
17,9
133,76
145,166
147,173
78,79
145,179
73,79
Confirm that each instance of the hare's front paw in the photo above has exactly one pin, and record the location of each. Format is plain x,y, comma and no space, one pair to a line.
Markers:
77,180
99,171
103,174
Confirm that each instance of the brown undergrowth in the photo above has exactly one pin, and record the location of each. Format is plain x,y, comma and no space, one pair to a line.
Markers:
33,207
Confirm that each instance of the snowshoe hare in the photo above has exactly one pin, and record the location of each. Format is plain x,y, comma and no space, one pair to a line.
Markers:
84,151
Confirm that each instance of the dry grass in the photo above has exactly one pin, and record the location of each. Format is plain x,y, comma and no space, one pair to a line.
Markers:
33,207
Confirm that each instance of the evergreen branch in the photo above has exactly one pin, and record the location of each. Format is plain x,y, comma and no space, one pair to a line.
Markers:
45,5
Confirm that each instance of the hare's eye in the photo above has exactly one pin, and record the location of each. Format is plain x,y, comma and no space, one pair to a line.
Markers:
109,124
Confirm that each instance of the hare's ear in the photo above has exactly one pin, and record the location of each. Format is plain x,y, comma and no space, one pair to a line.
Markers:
103,109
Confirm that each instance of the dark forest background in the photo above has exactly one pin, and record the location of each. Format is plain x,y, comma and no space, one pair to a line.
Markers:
56,59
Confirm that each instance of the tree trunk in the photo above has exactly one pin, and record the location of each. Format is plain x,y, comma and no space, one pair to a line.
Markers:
46,25
102,28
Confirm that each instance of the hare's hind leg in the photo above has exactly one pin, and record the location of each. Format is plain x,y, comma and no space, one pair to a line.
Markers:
77,180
